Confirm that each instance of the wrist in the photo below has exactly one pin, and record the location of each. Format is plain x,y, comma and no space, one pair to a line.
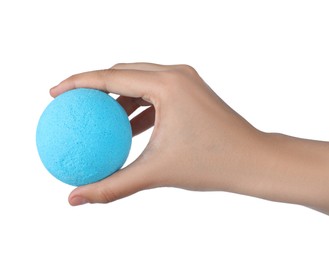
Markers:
290,170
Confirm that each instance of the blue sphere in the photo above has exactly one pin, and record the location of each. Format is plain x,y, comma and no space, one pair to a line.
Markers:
83,136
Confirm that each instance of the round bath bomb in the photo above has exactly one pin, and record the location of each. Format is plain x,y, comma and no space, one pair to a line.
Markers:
83,136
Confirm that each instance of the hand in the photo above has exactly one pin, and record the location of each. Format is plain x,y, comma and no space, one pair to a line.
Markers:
199,143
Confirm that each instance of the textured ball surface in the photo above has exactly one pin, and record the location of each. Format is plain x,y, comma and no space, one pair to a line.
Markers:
83,136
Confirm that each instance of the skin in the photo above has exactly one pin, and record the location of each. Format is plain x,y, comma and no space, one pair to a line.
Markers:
199,143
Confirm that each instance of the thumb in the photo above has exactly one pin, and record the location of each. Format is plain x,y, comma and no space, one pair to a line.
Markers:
123,183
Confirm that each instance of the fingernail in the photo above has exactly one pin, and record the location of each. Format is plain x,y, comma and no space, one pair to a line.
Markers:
50,90
76,201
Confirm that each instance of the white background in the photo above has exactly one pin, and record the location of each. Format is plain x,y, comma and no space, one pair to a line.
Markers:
269,60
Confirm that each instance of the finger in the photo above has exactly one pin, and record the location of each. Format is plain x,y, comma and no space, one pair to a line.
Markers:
143,121
132,83
121,184
129,104
142,66
142,102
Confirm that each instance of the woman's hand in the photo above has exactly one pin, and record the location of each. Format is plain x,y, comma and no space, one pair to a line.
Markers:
198,142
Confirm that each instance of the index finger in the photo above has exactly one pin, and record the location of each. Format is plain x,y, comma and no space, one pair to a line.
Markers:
126,82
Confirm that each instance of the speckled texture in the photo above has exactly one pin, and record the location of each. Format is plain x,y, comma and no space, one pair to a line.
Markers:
83,136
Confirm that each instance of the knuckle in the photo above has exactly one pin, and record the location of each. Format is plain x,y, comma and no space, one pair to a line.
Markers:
110,72
177,79
106,195
72,80
118,66
187,69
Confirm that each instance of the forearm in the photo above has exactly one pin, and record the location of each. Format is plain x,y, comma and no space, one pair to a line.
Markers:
291,170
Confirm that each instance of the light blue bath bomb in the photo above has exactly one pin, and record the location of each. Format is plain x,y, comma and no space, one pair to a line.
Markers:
83,136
